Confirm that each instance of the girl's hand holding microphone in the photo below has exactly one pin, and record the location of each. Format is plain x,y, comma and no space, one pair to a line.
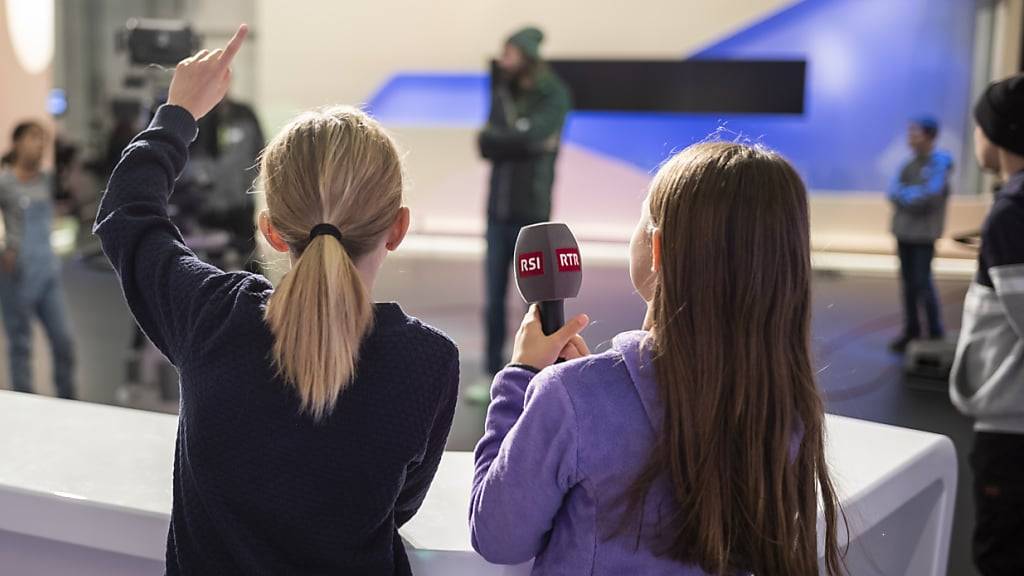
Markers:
533,348
201,81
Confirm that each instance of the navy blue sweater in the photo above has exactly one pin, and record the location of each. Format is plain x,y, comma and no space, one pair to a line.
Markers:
987,373
258,487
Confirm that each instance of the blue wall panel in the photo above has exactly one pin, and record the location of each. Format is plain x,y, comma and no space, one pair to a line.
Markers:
872,64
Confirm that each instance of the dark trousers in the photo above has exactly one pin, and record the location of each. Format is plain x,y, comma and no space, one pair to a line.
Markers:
919,288
998,464
501,244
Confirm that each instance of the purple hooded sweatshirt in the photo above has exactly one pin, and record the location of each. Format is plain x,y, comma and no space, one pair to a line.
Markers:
560,448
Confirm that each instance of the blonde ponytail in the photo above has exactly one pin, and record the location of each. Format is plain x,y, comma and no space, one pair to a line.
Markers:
319,315
335,166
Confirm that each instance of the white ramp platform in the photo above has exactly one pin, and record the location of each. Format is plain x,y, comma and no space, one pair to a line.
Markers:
86,489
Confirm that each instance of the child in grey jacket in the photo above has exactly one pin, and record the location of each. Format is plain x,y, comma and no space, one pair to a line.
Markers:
987,380
918,195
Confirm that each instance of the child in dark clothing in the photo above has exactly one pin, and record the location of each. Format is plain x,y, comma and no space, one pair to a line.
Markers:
987,381
311,421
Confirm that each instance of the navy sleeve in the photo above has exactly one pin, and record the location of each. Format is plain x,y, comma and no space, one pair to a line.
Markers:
168,288
1002,247
1002,240
420,475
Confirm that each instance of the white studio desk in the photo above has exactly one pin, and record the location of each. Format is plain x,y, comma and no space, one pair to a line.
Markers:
86,489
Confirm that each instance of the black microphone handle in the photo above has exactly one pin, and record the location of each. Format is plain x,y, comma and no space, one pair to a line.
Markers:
552,316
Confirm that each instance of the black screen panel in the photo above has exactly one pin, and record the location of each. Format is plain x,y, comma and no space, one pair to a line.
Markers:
712,86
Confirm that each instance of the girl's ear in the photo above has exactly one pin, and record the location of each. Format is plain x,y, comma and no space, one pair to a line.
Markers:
271,234
656,250
398,230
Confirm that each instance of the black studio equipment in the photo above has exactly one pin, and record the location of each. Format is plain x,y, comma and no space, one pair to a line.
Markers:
161,42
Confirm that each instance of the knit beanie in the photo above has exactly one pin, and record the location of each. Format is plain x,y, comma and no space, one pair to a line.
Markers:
528,40
1000,113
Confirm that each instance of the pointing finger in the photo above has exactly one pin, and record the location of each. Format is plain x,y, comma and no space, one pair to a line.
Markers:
234,45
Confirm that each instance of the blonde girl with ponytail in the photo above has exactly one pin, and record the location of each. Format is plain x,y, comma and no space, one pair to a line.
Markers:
329,170
312,420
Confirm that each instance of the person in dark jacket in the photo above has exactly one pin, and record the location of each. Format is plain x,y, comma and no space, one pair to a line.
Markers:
312,421
222,165
987,380
529,104
918,195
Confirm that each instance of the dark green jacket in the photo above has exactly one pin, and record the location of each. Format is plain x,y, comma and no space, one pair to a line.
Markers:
521,140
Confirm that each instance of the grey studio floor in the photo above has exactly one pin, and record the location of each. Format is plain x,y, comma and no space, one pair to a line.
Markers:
854,318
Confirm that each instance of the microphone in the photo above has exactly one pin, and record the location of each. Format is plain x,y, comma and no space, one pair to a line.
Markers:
548,270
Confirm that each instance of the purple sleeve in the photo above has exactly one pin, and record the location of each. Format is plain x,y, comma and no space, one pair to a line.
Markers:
525,464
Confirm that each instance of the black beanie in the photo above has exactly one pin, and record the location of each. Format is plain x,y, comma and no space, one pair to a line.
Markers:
1000,113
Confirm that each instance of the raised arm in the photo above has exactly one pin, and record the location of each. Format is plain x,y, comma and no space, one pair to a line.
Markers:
12,232
166,286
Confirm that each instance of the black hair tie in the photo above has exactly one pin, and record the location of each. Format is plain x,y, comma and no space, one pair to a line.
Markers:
325,229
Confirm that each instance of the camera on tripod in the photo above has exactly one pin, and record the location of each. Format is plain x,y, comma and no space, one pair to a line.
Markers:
161,42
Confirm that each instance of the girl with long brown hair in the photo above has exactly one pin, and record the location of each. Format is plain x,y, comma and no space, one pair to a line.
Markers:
312,420
694,445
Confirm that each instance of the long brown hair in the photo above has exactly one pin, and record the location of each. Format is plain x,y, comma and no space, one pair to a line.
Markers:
731,326
336,166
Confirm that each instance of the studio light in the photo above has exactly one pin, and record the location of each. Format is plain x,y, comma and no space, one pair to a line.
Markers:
30,26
